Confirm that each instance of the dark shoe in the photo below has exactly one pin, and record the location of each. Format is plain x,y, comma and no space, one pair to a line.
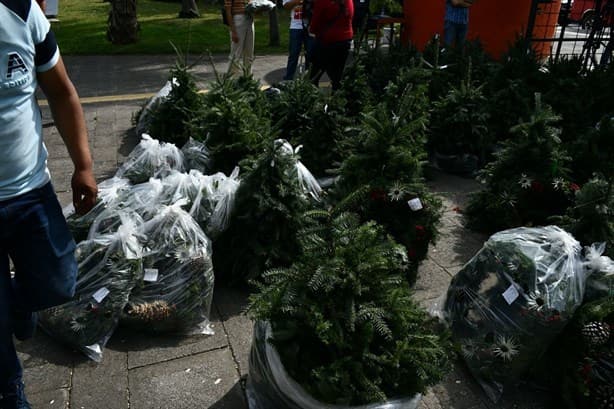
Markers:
24,324
15,398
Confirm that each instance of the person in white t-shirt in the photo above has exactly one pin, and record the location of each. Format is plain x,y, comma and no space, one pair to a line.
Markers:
299,37
33,231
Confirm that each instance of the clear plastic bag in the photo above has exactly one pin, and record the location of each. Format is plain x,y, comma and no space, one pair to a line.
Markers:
512,299
270,386
209,199
110,192
601,282
109,268
196,156
220,193
257,6
177,288
144,121
306,180
151,158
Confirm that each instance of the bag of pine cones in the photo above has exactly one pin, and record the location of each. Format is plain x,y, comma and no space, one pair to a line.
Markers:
176,290
109,267
512,299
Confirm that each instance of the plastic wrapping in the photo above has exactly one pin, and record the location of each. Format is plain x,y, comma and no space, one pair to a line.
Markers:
512,299
306,180
196,155
270,386
600,282
221,193
150,158
177,288
110,192
209,199
144,198
257,6
109,268
144,121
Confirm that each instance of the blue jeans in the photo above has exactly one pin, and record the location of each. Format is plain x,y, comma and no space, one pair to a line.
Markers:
298,39
454,34
34,234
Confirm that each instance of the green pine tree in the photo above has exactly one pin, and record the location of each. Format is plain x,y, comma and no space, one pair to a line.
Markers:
343,319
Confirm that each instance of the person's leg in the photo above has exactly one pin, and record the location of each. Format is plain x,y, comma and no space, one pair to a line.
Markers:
294,49
237,50
248,45
10,368
42,250
449,33
308,43
317,63
461,34
336,57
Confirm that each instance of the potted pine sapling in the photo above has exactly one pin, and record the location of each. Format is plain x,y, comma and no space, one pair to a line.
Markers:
459,134
168,114
234,122
381,177
304,116
261,233
339,327
528,181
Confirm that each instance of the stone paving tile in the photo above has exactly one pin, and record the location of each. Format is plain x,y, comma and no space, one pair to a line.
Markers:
144,349
51,399
206,380
231,304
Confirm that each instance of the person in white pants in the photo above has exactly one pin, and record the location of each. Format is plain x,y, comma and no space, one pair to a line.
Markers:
241,37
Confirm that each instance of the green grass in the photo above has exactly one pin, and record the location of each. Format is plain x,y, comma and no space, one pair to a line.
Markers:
83,24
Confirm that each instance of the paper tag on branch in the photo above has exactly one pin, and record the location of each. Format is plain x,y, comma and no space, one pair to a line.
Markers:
100,294
511,294
151,275
415,204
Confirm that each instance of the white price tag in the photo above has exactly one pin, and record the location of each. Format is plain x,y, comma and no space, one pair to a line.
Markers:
415,204
510,294
100,294
151,275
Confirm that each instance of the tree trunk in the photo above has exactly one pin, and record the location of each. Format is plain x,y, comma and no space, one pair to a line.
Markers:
189,9
273,28
122,25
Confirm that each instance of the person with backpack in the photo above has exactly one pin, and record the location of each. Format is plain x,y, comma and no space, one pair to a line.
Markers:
331,23
300,12
456,22
241,26
33,231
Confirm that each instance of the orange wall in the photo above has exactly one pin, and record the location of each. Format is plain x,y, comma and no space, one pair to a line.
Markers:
496,23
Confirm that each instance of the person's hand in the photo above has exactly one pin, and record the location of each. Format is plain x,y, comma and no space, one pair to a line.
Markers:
234,36
84,191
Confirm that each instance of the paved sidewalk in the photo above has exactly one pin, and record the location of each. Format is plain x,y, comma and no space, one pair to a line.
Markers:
141,371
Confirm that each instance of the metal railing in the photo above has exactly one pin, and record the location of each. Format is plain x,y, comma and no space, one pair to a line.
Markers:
573,28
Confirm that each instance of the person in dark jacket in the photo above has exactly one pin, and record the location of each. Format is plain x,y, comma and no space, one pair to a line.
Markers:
331,23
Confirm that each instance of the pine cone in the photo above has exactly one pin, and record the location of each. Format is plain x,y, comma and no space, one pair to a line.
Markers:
153,311
603,397
596,333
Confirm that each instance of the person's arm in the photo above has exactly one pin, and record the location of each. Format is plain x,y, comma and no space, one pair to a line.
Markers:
231,22
68,117
461,3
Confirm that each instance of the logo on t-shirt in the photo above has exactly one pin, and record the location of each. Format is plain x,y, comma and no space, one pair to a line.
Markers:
15,63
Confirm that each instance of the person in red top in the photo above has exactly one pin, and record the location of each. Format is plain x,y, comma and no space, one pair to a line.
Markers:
331,23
